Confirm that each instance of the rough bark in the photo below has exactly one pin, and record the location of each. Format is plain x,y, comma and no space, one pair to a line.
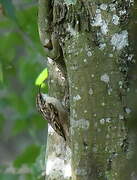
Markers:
94,38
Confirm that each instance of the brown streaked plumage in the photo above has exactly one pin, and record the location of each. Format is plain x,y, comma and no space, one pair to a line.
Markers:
52,111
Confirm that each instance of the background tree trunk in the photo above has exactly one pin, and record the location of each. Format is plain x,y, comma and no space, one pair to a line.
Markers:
95,41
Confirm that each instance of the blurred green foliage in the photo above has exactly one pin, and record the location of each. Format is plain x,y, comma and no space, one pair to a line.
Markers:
8,176
21,61
28,156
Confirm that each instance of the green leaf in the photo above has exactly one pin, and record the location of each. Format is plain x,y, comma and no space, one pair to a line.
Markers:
8,177
8,44
1,74
4,102
2,120
38,122
9,8
6,23
25,65
18,102
33,122
25,16
20,126
39,166
42,76
30,177
28,157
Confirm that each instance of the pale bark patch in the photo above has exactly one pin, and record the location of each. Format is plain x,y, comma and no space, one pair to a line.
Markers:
119,40
105,78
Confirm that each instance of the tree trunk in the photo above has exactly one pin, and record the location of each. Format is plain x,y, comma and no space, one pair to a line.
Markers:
95,65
